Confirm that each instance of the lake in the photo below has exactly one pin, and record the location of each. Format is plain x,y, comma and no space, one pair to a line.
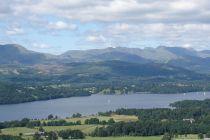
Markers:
88,105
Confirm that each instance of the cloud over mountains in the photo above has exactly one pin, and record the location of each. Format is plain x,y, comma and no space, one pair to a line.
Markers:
119,22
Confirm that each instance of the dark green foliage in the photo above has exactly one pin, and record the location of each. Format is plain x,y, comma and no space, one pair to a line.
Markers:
51,135
92,121
71,134
56,123
192,104
208,134
200,136
41,129
8,137
37,136
111,121
77,134
49,117
77,115
37,123
10,93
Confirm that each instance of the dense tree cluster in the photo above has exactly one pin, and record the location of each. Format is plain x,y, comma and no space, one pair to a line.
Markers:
189,119
64,134
9,137
77,115
92,121
11,94
36,123
71,134
97,121
53,122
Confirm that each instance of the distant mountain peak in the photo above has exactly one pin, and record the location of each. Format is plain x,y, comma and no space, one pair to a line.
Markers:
162,47
13,47
17,54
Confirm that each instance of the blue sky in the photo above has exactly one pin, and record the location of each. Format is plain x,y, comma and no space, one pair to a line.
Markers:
60,25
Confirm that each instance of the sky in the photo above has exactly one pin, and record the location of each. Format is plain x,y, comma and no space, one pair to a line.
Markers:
55,26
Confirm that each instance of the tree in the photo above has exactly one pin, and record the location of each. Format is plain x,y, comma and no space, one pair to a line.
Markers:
77,115
92,121
41,129
9,137
50,117
52,136
37,136
200,136
77,134
103,122
64,134
20,134
111,121
24,122
73,134
208,135
78,122
176,135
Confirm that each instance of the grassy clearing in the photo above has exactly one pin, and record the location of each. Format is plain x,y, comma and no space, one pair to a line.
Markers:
117,118
17,130
87,129
27,132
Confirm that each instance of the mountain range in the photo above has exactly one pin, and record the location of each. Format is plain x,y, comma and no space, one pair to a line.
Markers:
30,76
186,58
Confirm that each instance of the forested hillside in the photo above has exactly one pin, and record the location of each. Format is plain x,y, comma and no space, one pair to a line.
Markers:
30,76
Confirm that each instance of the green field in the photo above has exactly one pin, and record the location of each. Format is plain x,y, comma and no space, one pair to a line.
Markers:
117,118
87,129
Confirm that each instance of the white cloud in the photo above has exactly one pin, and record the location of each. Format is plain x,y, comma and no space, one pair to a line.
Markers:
116,10
168,22
40,46
14,31
60,25
184,5
96,38
186,35
186,45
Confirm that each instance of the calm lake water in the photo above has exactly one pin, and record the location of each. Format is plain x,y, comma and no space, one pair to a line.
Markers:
92,104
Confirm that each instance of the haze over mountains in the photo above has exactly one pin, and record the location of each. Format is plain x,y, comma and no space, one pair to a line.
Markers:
198,61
